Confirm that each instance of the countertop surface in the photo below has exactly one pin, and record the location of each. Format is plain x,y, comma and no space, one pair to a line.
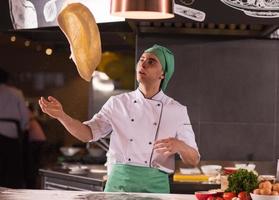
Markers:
16,194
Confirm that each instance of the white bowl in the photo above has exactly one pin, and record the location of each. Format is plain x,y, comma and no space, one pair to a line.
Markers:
211,170
240,166
69,151
249,167
264,197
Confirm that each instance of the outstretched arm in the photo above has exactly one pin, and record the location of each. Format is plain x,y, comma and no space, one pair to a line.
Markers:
53,108
171,146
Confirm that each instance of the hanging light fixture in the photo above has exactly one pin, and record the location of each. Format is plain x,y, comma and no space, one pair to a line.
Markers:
142,9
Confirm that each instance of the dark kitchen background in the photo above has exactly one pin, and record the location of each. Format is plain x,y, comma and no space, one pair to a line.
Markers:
226,73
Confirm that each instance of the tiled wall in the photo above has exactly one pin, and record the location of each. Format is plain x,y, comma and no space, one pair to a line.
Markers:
230,88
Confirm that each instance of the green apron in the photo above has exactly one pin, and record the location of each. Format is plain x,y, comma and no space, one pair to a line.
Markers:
128,178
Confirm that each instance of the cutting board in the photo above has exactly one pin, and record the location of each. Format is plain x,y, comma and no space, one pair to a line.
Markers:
190,178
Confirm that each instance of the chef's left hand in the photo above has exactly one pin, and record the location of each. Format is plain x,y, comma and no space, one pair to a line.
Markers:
168,146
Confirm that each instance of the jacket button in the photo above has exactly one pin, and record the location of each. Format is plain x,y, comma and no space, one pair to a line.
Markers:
131,140
135,101
158,104
145,162
150,142
132,120
129,159
154,123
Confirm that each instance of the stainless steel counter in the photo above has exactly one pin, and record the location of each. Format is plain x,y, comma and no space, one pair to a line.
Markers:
93,178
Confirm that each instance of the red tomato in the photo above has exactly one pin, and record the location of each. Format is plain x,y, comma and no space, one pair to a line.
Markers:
243,196
228,195
210,198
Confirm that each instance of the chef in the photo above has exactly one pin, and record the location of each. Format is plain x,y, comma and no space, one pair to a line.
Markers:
147,128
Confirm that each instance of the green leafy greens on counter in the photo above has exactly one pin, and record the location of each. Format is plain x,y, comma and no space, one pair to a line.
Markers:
242,180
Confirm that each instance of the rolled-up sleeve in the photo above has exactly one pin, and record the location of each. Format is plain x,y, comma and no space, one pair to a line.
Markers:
100,124
185,131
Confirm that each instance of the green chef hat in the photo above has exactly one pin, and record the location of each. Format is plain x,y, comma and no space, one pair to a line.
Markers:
166,59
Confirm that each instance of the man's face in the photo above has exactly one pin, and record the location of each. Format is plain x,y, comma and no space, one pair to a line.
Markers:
149,69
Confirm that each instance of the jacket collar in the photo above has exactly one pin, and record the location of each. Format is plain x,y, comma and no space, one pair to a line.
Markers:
157,97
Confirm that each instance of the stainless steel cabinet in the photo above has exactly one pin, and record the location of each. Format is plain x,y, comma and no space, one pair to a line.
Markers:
61,180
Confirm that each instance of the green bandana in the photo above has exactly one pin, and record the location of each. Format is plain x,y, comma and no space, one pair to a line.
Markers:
166,59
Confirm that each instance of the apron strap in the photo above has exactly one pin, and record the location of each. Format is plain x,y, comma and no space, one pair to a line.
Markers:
129,178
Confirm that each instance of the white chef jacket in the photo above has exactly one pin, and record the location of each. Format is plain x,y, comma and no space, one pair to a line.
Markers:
136,122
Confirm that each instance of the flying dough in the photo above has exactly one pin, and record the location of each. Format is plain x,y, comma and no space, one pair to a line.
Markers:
79,25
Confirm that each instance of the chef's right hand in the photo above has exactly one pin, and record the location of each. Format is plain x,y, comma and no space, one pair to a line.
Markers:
51,106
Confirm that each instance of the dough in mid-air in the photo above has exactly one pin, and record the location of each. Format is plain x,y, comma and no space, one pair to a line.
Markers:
79,25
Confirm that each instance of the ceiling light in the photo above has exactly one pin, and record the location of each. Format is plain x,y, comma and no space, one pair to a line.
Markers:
13,38
48,51
142,9
27,43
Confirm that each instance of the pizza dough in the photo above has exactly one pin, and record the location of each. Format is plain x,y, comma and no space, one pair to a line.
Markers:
79,25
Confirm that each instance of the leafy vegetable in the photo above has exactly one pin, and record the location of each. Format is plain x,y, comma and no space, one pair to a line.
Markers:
242,180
